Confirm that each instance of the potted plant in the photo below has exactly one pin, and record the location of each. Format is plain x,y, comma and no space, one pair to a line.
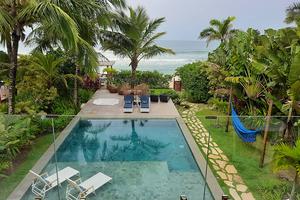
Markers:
178,101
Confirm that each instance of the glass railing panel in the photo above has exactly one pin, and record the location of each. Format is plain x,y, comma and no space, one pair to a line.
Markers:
242,161
23,140
235,166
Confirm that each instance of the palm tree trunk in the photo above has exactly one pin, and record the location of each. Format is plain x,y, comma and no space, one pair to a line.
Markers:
133,69
294,186
289,133
76,87
9,49
13,72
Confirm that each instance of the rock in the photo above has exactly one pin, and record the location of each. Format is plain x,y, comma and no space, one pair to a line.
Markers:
231,169
221,163
241,188
234,194
222,175
247,196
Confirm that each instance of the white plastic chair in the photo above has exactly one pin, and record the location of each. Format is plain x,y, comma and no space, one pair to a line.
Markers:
50,182
87,187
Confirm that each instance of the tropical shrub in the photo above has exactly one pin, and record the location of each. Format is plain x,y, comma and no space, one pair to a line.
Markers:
194,82
84,95
34,82
13,133
154,79
4,164
222,106
271,190
172,94
60,123
90,84
287,157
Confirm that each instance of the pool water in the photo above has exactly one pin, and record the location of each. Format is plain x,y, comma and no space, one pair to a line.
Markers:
147,159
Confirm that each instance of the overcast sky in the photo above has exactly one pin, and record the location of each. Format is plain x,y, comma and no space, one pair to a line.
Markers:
186,19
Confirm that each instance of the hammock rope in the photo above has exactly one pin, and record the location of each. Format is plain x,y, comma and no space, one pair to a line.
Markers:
245,134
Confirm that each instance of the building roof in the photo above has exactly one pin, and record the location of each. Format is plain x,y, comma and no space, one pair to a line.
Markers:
106,63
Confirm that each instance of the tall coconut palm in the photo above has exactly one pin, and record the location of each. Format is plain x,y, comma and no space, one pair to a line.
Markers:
16,15
220,30
292,13
134,38
90,20
286,157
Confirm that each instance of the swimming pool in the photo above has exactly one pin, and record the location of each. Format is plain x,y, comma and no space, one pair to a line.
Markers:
147,159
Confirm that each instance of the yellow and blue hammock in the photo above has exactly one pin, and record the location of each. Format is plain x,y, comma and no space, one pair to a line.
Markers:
245,134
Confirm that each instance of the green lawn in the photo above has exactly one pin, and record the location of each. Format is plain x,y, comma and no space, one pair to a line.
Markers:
41,144
159,91
244,156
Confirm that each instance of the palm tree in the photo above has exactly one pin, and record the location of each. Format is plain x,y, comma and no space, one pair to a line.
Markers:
90,20
48,66
16,15
292,13
286,157
134,38
219,30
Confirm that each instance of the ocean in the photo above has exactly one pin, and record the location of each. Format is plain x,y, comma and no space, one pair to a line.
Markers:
186,52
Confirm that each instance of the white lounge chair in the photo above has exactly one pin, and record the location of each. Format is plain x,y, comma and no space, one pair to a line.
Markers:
87,187
50,182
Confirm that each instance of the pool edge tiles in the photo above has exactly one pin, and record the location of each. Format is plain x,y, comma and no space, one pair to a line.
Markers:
211,180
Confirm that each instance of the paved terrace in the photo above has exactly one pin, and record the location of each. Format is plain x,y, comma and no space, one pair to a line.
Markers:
157,109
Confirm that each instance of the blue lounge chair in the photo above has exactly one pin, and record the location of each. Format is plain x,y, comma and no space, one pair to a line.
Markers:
145,103
128,105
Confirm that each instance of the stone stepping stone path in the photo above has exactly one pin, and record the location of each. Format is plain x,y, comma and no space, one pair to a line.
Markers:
227,172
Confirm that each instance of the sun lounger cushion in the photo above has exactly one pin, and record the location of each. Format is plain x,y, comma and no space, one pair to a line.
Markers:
82,188
128,101
144,105
46,181
127,105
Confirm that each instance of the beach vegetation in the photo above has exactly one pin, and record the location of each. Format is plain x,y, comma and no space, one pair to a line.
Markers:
134,37
194,82
154,79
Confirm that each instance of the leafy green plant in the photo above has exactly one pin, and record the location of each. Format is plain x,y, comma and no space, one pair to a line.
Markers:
60,123
4,164
287,157
172,94
12,133
194,82
154,79
222,106
273,190
85,95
